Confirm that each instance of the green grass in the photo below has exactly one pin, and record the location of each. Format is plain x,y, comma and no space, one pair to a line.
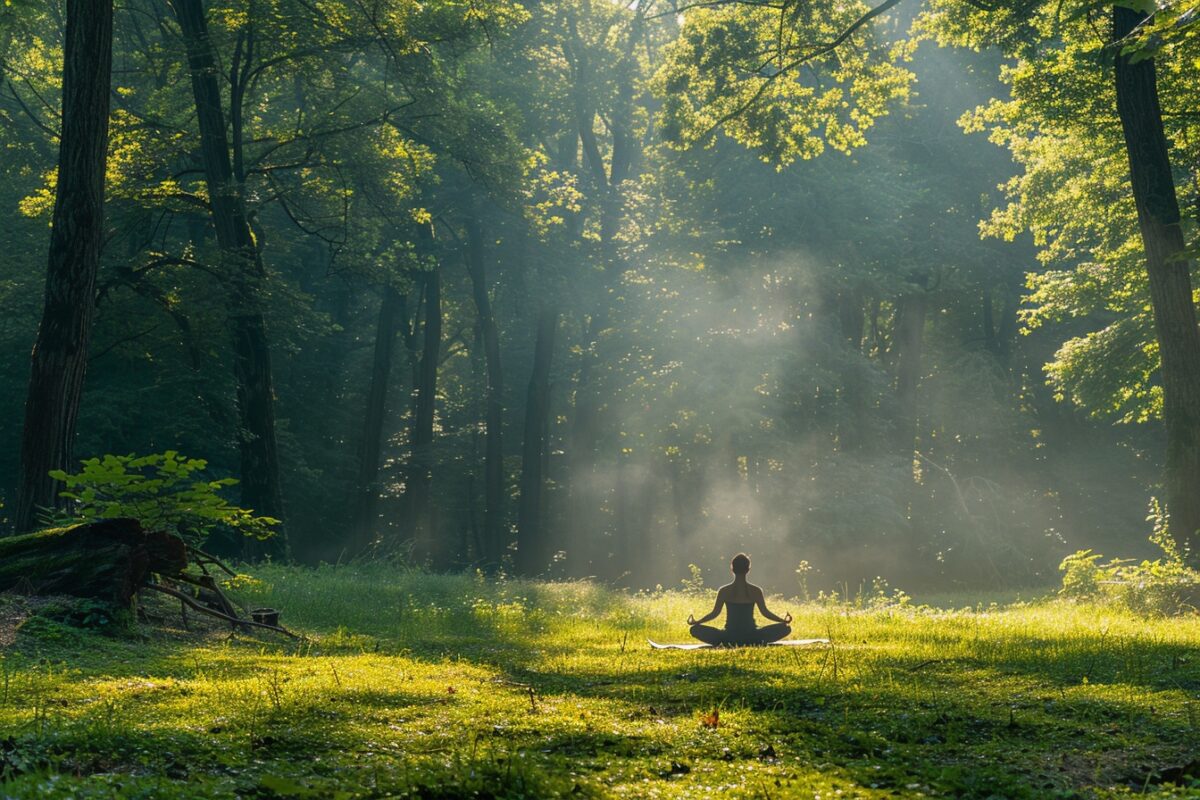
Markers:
445,687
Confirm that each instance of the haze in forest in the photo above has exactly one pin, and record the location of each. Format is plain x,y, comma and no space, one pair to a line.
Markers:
549,289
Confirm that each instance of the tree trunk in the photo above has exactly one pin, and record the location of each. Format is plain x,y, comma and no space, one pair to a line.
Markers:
242,263
624,502
493,470
420,472
59,359
908,336
1170,282
851,318
1007,330
532,539
105,560
990,342
852,425
586,497
372,440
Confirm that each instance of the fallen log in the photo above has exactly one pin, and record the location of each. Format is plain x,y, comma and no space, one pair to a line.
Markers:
105,560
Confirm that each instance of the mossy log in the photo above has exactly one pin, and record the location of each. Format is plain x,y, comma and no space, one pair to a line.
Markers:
105,560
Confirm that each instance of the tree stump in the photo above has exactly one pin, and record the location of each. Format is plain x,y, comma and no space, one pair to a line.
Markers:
104,560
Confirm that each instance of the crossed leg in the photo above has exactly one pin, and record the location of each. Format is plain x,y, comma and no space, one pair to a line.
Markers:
719,636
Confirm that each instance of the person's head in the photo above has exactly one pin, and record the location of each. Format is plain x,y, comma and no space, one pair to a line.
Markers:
740,564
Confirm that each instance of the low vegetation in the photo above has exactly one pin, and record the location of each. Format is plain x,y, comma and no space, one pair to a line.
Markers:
413,685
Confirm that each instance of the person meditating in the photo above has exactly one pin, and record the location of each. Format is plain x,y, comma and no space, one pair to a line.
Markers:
740,598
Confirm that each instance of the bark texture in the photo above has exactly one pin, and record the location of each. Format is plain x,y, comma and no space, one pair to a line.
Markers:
1170,281
105,560
59,359
420,471
493,459
390,313
532,544
242,264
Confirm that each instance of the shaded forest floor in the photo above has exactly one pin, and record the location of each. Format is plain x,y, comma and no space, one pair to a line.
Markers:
444,687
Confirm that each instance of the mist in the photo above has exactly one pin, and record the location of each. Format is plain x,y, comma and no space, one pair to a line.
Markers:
558,311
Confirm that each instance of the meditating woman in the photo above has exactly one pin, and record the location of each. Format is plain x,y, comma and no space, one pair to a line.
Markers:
740,598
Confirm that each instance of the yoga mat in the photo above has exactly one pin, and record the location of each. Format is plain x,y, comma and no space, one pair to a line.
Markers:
702,646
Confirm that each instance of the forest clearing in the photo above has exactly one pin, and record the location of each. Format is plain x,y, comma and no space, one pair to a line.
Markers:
413,685
386,385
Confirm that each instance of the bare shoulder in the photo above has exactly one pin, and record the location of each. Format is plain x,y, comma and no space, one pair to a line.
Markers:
755,591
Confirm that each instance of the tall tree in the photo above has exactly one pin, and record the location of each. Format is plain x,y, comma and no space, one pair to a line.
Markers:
493,470
391,312
1104,207
243,267
907,337
59,362
532,533
1169,273
419,478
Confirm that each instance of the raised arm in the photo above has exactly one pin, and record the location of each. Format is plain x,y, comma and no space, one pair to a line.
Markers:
716,610
761,601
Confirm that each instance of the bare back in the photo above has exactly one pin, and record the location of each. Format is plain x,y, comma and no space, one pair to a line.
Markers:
740,592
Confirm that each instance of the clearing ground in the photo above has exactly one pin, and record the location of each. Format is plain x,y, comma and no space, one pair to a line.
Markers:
411,685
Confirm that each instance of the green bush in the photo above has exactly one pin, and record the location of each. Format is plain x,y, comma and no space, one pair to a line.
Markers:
163,491
85,614
1163,586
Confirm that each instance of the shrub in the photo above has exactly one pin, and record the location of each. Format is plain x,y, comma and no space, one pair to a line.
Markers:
1162,586
163,491
694,586
84,613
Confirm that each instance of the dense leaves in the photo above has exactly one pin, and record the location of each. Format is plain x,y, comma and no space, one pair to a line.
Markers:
817,357
165,492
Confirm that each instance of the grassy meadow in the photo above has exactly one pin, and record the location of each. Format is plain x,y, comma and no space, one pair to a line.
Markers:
412,685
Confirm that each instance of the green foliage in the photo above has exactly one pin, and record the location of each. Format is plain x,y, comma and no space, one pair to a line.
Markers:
1083,575
84,613
1165,585
747,69
163,491
736,320
1073,194
64,621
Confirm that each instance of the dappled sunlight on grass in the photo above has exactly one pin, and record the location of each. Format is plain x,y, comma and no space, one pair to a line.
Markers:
443,686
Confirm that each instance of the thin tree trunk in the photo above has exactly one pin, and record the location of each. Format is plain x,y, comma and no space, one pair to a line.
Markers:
851,430
493,470
243,264
621,561
420,472
532,538
367,484
851,317
990,342
908,336
678,505
1007,330
59,359
1170,282
583,442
